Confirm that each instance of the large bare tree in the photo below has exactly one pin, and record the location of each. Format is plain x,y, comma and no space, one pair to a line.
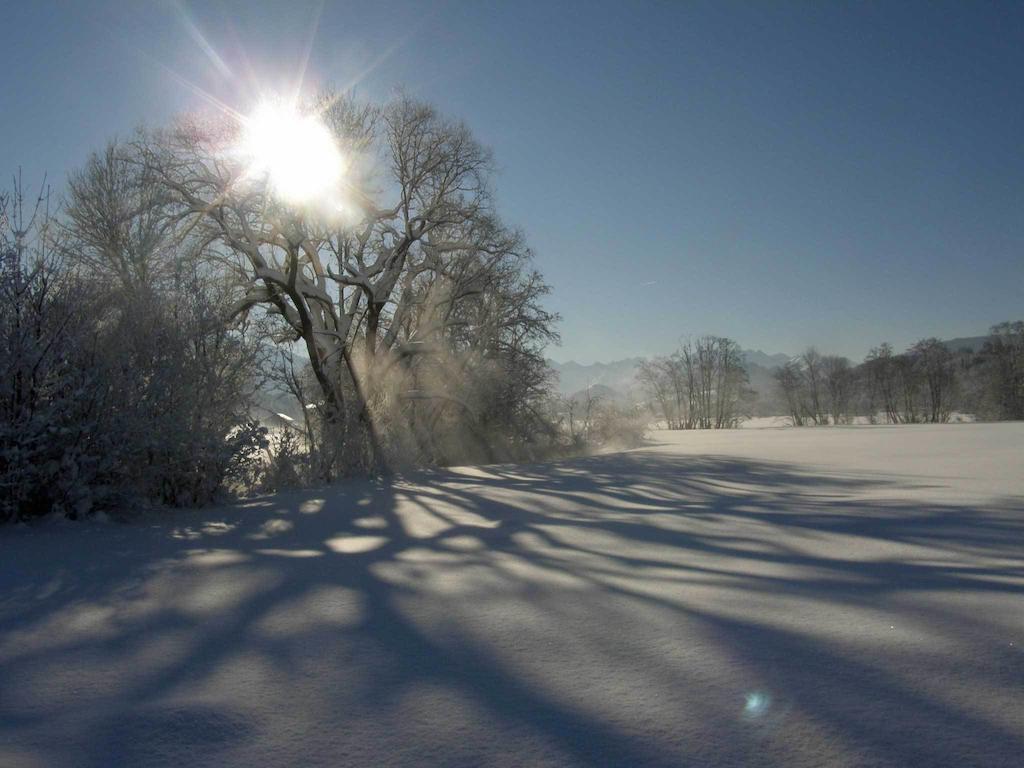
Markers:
415,204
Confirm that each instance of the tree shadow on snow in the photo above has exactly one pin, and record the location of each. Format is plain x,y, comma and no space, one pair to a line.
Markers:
451,616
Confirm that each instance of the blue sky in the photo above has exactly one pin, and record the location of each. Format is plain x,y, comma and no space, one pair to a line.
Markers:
782,173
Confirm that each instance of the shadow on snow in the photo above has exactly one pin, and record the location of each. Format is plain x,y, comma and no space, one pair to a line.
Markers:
629,535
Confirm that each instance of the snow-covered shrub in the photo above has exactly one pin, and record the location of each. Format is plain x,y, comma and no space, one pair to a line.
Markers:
109,393
287,462
48,387
615,426
183,380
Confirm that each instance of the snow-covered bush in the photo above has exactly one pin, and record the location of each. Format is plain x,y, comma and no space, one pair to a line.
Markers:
110,394
287,462
616,426
47,413
184,379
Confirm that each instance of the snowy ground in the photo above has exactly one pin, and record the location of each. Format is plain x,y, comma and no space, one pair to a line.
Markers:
784,597
762,422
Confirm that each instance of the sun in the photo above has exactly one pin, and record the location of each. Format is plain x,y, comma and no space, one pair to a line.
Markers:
294,152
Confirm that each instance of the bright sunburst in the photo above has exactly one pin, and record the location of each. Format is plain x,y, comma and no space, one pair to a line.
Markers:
294,151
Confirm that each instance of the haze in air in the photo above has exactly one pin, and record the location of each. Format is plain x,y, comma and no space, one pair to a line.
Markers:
622,384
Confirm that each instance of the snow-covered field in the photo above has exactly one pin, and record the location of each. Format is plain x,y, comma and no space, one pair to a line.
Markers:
820,597
762,422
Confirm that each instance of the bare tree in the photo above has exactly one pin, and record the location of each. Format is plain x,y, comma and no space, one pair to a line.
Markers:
884,382
1003,363
417,201
676,372
715,382
909,379
657,379
580,409
290,374
790,380
934,364
839,382
814,375
116,219
479,374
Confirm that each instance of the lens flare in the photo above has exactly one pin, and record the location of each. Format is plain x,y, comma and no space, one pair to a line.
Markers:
756,704
295,152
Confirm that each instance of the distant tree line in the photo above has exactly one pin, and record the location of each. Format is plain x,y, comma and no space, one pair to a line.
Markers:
925,384
146,312
703,385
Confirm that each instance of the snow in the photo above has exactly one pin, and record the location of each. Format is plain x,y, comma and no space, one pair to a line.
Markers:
771,422
842,596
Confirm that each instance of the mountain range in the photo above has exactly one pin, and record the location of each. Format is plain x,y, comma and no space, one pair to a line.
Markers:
619,376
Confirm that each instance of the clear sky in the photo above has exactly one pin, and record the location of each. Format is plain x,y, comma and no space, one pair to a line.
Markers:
782,173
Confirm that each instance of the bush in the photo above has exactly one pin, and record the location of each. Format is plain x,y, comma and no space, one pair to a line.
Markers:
109,395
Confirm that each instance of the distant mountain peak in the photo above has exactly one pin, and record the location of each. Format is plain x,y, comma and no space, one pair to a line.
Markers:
765,360
620,375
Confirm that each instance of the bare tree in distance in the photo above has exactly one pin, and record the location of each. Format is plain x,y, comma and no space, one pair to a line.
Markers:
659,380
935,367
1003,363
715,380
790,381
840,384
814,374
884,382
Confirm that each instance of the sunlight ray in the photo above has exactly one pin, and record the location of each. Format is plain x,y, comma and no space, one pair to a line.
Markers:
200,39
307,53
